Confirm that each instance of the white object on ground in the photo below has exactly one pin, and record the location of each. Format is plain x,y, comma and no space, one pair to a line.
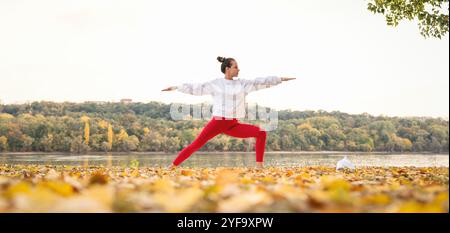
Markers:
345,163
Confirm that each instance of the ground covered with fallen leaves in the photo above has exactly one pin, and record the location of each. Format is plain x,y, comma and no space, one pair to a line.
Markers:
38,188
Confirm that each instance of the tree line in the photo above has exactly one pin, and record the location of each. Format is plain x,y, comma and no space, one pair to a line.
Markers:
92,126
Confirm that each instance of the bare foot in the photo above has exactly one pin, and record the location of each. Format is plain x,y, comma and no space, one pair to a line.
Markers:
259,165
171,167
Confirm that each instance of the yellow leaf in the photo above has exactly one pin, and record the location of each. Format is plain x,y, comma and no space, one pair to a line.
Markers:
21,187
52,175
135,173
98,178
267,179
377,199
415,207
289,173
162,185
58,187
227,176
244,202
101,193
186,172
180,201
246,180
333,183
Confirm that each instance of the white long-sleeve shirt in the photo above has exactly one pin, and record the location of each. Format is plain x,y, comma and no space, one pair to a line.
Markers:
229,95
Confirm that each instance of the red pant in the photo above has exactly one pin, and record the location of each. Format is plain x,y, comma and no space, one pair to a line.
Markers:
230,127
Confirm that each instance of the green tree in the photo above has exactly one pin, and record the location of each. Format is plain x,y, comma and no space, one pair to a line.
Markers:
152,141
27,143
3,143
129,144
171,144
358,139
431,14
47,143
310,137
77,145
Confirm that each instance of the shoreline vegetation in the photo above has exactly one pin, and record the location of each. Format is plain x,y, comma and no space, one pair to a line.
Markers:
226,152
147,127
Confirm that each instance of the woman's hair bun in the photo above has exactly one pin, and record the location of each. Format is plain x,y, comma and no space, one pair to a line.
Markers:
221,59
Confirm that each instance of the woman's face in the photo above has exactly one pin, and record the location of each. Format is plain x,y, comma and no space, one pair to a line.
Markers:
234,69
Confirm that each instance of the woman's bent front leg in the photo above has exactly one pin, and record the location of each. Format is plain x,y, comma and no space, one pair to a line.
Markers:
213,128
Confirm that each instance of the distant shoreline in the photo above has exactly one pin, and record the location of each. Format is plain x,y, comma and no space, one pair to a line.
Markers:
220,152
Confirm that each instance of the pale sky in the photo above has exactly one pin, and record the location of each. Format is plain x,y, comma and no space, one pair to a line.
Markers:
344,57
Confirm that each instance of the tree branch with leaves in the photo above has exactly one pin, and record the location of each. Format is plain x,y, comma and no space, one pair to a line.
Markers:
431,14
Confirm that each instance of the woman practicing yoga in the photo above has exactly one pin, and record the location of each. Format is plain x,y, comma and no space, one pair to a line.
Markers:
228,106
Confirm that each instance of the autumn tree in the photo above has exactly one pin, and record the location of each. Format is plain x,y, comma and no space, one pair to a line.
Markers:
85,119
110,137
48,126
3,143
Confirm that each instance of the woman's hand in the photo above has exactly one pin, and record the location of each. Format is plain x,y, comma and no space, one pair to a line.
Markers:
286,79
170,88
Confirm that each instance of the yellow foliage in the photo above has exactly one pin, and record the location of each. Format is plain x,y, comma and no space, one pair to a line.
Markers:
86,132
6,116
61,188
377,199
103,124
333,183
298,189
98,178
110,136
186,172
304,126
179,202
21,187
226,176
122,135
163,185
146,130
3,141
85,119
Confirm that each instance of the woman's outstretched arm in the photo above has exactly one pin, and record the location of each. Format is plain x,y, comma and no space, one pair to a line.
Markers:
262,83
192,88
287,79
170,88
